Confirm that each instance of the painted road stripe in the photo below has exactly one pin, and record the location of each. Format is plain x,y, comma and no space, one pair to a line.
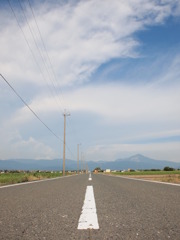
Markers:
88,218
37,181
90,178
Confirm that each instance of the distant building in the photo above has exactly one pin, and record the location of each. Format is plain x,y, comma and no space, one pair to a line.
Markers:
108,170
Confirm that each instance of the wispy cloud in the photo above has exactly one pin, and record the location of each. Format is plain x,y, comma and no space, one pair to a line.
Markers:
81,36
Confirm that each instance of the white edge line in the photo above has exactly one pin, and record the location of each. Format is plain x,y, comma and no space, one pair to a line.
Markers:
36,181
145,180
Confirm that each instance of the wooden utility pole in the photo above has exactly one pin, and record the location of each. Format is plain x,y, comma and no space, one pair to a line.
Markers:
81,162
64,149
78,158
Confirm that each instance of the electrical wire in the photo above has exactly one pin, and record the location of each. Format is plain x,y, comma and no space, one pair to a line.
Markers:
53,90
49,60
17,94
44,62
26,40
33,112
44,46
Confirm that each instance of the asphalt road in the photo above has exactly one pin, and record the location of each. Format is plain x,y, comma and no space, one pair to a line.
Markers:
126,209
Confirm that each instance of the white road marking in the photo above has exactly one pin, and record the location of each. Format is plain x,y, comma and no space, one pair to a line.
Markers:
90,178
88,218
145,180
37,181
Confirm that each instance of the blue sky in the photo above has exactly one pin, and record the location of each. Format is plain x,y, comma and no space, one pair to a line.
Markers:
114,67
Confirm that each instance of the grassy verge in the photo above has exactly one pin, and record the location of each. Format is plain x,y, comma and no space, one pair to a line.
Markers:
147,173
10,178
162,176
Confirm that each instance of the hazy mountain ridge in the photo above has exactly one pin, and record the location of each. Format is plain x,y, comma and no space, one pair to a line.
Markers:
134,162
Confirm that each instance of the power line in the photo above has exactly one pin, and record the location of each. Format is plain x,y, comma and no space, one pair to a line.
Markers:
48,58
27,42
42,57
39,51
17,94
44,46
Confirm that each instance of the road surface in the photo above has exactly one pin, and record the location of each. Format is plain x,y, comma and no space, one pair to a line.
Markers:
126,209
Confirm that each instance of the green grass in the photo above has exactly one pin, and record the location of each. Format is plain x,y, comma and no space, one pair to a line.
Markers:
147,173
10,178
47,174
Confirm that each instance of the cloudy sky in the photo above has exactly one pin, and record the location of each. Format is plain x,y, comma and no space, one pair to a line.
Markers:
114,65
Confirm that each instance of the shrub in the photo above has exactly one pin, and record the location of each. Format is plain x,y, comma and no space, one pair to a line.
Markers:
168,169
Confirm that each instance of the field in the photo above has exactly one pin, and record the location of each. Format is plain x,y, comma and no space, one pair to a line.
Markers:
162,176
18,177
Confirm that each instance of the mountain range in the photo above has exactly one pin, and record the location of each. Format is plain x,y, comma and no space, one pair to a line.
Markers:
134,162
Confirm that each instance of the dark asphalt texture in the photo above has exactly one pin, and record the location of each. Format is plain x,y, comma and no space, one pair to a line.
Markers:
126,209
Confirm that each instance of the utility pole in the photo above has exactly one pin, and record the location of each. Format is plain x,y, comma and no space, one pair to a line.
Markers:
81,162
65,114
78,158
84,163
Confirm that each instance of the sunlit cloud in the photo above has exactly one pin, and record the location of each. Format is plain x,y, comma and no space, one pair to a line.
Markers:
162,151
80,37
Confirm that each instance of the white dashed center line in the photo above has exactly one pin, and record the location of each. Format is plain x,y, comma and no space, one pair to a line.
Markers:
88,218
90,178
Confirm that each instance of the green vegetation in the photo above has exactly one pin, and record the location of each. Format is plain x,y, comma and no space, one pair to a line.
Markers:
18,177
8,178
162,176
168,169
147,172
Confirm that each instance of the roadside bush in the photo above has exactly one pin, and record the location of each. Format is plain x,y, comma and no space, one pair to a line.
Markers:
168,169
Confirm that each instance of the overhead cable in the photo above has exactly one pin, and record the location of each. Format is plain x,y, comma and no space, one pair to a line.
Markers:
30,48
17,94
44,46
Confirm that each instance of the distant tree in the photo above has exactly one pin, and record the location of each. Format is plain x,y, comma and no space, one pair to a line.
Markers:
168,168
97,169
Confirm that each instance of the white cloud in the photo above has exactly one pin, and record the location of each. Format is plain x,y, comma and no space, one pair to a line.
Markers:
120,103
14,146
160,151
116,103
80,36
145,112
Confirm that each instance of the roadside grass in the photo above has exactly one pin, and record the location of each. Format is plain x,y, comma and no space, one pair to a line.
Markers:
147,173
162,176
11,178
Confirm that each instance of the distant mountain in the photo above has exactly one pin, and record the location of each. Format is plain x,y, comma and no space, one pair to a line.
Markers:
29,164
141,162
134,162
